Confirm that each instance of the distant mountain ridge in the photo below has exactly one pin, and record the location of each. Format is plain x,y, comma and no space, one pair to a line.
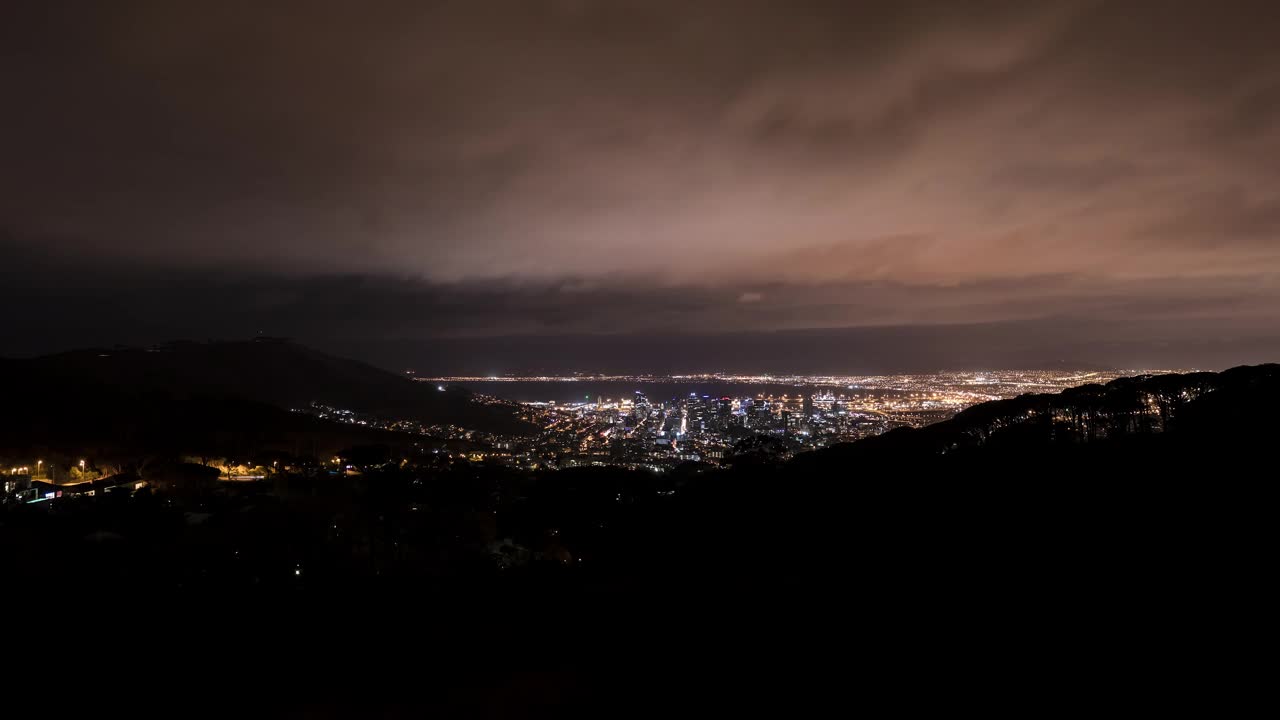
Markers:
274,371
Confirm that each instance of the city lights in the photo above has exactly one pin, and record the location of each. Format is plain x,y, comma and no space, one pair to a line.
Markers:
796,412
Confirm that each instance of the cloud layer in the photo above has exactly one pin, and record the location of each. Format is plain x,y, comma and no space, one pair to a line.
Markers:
739,165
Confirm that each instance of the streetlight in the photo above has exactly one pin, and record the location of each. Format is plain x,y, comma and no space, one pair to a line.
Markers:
39,468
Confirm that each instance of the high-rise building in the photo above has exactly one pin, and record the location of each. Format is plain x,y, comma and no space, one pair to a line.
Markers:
640,407
701,410
761,415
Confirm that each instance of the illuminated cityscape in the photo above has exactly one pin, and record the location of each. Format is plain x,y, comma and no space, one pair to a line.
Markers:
642,429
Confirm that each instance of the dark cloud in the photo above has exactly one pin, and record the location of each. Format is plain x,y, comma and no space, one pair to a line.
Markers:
411,170
481,327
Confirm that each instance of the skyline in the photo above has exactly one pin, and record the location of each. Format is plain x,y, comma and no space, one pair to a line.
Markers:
560,185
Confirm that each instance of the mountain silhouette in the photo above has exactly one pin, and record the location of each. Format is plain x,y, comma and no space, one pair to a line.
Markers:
273,371
231,399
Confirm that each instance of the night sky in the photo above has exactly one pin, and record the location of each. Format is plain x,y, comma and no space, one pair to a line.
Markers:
489,186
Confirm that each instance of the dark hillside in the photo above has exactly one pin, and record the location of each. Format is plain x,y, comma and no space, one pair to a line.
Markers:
267,370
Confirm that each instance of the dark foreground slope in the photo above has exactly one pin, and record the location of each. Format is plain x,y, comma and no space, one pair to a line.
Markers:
1144,457
1062,544
1138,428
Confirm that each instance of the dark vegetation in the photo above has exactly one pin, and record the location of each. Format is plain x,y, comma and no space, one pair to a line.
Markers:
1036,467
1102,501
